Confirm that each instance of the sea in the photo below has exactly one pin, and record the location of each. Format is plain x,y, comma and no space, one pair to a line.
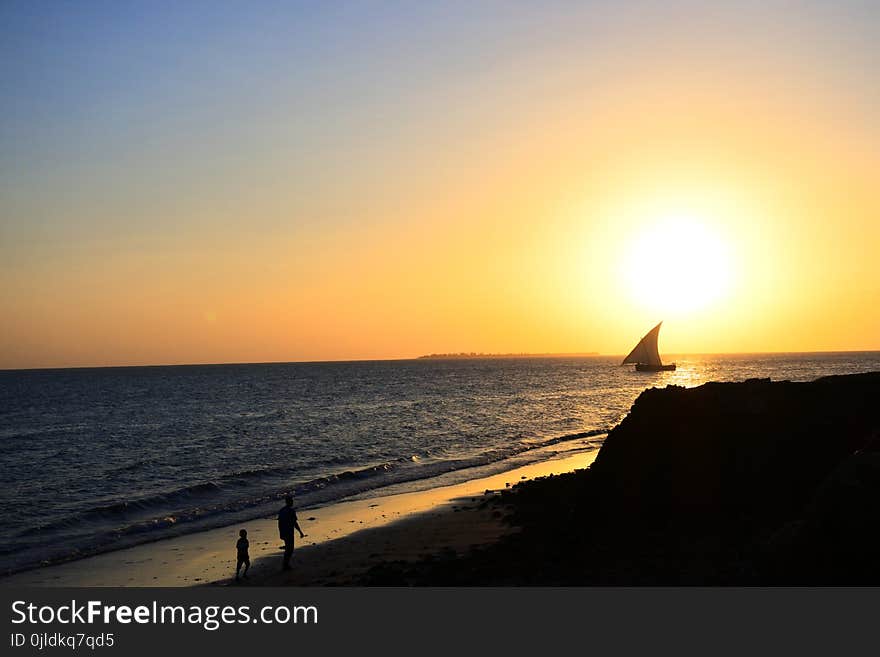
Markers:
99,459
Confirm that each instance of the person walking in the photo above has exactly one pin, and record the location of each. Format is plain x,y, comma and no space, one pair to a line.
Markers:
287,523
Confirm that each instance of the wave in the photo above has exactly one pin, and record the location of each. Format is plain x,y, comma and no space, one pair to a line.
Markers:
37,434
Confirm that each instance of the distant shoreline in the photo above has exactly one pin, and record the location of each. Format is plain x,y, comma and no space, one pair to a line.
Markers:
58,368
477,356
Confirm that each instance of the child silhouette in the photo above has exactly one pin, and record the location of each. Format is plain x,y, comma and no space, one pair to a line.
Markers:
243,557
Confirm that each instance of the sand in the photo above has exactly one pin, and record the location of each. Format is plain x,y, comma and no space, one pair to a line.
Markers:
343,540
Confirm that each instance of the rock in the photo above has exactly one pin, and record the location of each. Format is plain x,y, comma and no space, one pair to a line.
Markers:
754,451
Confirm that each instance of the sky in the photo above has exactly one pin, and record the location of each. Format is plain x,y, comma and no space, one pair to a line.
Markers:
250,182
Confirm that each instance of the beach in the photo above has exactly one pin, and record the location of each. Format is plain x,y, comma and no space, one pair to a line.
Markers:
342,542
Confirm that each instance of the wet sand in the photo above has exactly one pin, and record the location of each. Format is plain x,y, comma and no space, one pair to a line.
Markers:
342,541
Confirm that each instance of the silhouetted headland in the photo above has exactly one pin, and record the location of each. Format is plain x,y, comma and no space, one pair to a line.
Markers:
749,483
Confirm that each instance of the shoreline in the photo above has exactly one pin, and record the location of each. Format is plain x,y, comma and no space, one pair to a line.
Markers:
312,494
343,539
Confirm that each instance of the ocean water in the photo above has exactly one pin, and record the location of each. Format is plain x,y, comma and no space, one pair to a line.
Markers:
99,459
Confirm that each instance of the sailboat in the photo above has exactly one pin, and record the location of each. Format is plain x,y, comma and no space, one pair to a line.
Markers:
646,356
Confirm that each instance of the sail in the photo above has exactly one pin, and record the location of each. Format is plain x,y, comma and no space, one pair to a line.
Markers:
646,350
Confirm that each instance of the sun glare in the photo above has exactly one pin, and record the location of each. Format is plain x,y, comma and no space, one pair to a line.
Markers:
676,264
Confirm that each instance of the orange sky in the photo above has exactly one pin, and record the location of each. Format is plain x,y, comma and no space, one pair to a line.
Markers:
491,197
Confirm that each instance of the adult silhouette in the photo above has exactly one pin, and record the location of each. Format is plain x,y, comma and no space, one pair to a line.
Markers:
287,523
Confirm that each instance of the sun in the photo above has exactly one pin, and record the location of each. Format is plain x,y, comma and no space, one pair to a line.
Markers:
676,264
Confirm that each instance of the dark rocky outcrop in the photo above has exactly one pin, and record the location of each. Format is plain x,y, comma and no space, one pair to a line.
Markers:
748,452
756,482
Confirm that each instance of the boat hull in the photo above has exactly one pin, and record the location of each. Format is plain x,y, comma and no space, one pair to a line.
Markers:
644,367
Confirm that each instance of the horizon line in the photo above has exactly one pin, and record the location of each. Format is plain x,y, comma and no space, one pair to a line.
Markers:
428,357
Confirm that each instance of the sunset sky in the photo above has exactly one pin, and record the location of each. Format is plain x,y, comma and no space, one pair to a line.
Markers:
241,182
